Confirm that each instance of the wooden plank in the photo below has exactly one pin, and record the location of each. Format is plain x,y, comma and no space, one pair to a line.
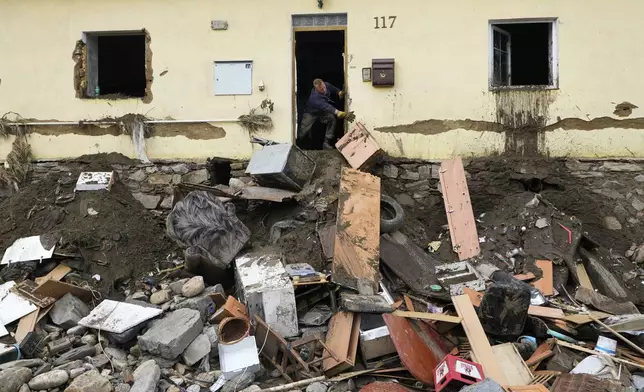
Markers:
536,359
56,289
409,262
508,358
620,336
542,311
545,284
458,206
342,339
588,351
478,339
581,319
56,274
356,254
474,295
527,388
428,316
409,304
584,279
26,324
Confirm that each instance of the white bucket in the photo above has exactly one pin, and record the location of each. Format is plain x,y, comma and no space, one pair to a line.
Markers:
606,345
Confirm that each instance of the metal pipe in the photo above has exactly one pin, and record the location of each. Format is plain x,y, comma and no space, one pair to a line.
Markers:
39,123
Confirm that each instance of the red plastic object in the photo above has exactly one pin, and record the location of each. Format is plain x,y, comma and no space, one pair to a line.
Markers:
455,372
419,347
379,386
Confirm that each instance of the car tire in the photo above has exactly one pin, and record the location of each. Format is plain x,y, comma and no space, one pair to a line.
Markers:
392,215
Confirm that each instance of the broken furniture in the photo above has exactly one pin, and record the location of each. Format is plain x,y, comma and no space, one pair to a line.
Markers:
359,148
356,255
457,276
267,291
375,341
282,166
95,181
342,339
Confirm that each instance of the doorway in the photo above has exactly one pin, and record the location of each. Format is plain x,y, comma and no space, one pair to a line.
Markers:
318,54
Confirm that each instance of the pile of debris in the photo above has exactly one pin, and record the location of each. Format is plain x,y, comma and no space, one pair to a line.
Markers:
518,298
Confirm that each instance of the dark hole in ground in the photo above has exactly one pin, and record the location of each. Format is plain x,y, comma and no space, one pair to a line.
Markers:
318,55
537,185
220,171
121,65
530,53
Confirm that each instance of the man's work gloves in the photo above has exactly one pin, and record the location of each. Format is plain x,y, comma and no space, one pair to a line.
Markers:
341,94
349,116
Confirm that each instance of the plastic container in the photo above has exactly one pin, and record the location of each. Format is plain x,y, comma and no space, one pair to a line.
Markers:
606,345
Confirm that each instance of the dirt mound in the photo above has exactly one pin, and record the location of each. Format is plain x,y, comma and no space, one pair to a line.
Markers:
106,233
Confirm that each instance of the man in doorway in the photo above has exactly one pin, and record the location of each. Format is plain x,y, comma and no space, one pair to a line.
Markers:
320,107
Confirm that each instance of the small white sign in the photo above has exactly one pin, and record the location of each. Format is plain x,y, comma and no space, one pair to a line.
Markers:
467,369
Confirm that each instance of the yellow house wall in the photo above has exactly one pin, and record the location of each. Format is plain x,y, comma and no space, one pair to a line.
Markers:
441,53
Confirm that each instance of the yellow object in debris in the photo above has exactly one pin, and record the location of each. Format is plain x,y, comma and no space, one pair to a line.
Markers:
434,246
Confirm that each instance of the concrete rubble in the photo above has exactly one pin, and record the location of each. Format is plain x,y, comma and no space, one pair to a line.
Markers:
252,289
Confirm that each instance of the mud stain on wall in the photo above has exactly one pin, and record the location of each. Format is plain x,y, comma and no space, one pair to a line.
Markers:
434,127
524,115
624,109
195,131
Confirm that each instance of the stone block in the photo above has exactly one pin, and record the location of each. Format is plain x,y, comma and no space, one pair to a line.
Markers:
268,291
620,167
637,204
390,171
68,311
150,202
170,336
138,176
410,175
238,165
422,185
180,168
49,380
198,349
159,179
611,223
75,354
177,286
203,304
196,177
213,336
12,379
91,381
161,297
193,287
425,171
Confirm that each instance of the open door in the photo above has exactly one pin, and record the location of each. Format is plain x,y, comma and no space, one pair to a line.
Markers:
318,55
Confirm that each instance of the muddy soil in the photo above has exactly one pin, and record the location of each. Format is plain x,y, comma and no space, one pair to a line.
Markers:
122,241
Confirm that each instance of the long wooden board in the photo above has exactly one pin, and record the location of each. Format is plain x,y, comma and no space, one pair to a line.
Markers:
545,284
478,339
356,254
428,316
542,311
516,371
458,206
589,351
584,279
409,262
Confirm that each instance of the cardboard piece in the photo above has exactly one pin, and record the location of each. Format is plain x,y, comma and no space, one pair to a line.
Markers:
458,206
478,339
56,274
356,252
118,317
359,148
342,338
57,289
545,284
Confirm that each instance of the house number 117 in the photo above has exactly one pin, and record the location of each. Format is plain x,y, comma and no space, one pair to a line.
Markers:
381,22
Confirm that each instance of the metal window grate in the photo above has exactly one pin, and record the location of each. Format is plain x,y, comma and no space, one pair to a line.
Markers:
318,20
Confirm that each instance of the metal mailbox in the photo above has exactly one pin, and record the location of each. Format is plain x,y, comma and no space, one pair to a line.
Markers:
383,72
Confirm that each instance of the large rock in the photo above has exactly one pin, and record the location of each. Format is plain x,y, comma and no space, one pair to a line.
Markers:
177,286
49,380
161,297
146,377
91,381
68,311
620,166
170,336
611,223
213,336
22,363
195,177
203,304
12,379
193,287
198,349
148,201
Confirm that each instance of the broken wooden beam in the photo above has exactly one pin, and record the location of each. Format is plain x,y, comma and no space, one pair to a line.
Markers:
342,339
356,254
429,316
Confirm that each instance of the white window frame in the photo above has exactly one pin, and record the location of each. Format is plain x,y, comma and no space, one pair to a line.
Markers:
553,48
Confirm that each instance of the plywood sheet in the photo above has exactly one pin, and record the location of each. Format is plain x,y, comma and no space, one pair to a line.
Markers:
428,316
509,359
545,284
56,274
458,206
409,262
356,252
26,325
478,339
584,279
581,319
